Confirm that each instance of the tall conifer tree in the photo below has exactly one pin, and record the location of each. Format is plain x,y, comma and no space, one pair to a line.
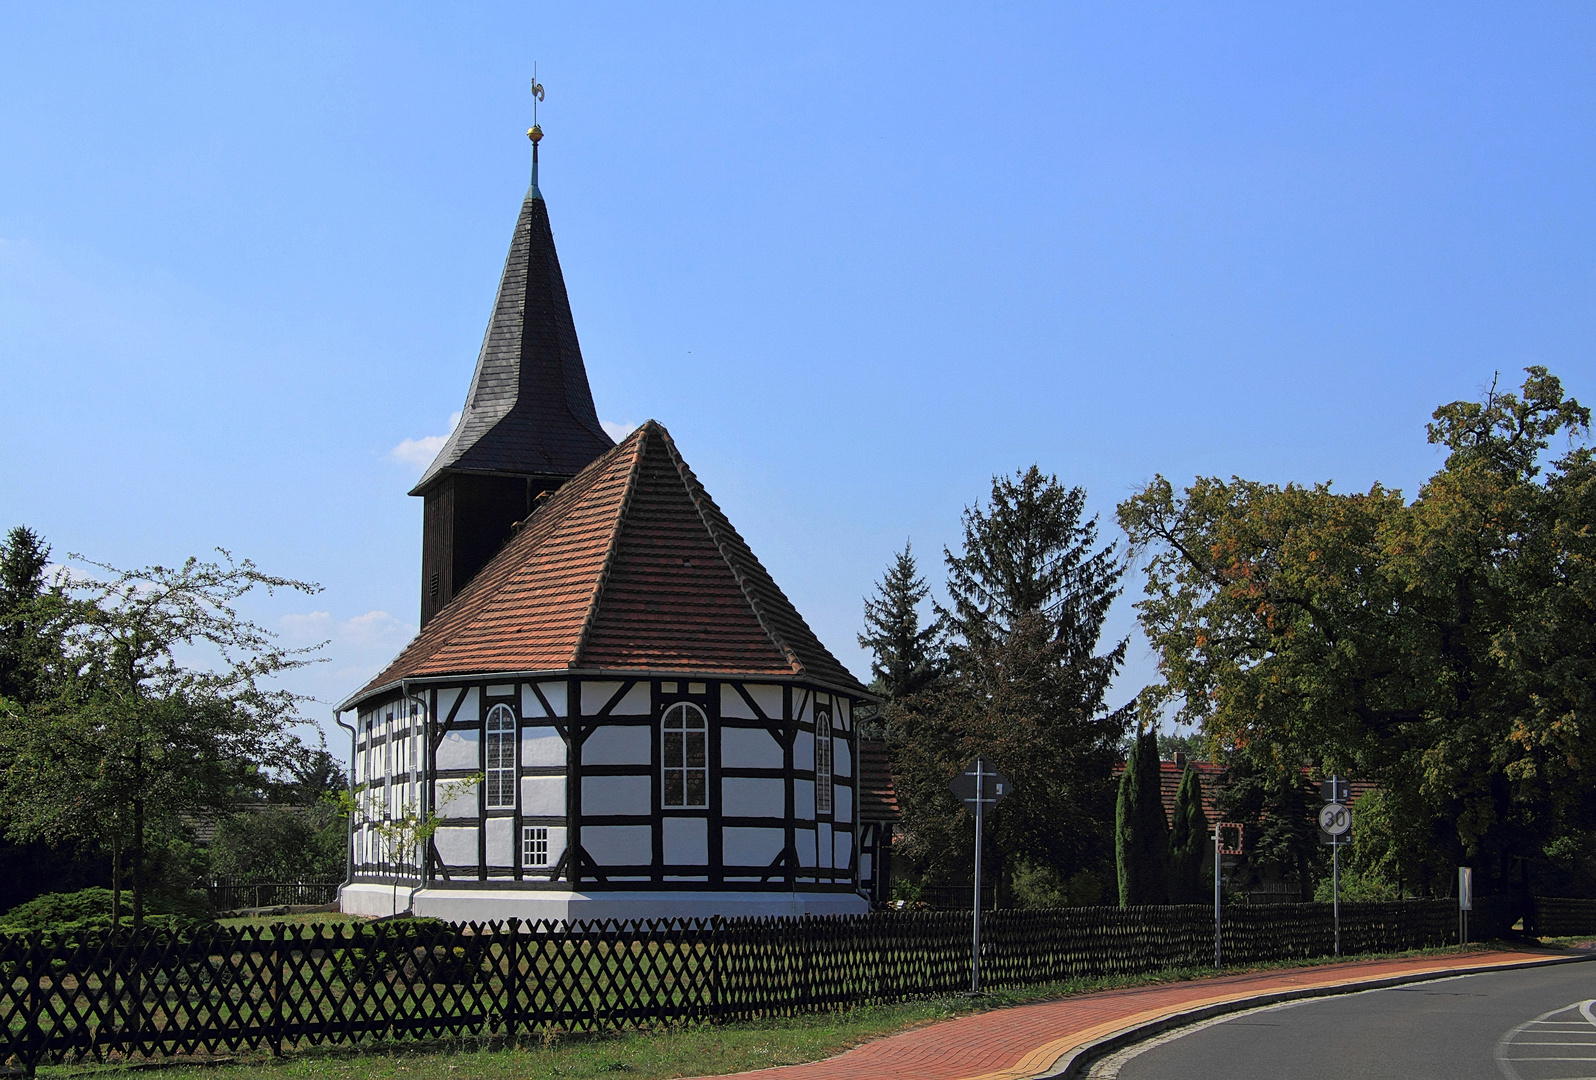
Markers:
1188,841
1141,834
25,645
1023,684
904,652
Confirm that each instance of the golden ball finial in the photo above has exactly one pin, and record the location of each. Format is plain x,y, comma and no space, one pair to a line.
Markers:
534,133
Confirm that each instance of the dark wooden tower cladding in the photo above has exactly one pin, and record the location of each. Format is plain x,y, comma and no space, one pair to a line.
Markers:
528,424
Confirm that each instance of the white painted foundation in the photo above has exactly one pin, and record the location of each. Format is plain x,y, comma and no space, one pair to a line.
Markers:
368,899
530,905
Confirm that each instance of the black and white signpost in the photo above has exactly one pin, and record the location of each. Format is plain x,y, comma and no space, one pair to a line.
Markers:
981,787
1465,902
1335,829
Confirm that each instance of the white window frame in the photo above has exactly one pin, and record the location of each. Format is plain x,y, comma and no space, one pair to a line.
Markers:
689,725
534,845
499,739
823,763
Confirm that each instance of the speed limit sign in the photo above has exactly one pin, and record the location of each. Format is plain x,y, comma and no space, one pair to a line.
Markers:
1335,821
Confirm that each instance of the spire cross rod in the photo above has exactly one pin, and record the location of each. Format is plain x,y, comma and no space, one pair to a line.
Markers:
535,133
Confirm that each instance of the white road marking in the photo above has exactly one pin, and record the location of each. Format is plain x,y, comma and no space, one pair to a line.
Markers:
1507,1043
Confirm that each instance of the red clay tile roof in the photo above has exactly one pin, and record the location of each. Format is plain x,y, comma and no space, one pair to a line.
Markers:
1208,774
629,565
877,800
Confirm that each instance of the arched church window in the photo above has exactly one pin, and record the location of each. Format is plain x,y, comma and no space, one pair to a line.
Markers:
684,735
822,763
500,747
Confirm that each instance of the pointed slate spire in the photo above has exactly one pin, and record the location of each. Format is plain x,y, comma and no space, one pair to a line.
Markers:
529,411
528,424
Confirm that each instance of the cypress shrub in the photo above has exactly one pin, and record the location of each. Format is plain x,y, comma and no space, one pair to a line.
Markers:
1189,845
1141,833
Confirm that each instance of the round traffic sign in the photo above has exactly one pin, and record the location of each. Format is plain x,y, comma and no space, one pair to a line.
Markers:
1335,819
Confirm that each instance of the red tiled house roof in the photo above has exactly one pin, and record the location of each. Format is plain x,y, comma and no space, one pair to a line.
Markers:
630,565
877,800
1208,773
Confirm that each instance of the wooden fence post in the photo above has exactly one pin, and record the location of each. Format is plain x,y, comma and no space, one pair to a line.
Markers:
714,942
511,954
138,947
33,1038
277,997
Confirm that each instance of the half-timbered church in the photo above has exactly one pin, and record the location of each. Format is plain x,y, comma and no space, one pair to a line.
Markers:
611,709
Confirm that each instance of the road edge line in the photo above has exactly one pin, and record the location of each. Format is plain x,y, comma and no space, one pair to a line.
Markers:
1072,1065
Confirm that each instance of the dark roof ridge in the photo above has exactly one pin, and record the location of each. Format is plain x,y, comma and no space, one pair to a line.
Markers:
699,496
639,437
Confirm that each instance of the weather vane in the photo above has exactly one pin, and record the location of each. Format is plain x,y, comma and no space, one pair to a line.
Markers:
534,132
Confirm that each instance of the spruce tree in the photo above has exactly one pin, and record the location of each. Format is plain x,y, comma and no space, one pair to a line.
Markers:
904,651
1023,684
1188,841
1141,834
25,641
1032,551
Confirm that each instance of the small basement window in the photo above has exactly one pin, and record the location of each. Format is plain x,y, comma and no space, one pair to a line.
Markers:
684,740
500,747
535,845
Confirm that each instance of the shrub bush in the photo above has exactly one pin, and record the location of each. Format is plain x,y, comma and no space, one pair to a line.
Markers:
90,909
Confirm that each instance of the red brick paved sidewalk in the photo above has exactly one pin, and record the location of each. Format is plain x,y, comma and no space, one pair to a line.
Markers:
1027,1040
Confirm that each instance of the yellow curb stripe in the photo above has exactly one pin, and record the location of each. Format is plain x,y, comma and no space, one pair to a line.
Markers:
1045,1057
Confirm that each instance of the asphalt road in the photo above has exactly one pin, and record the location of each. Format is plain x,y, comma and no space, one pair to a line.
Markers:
1529,1024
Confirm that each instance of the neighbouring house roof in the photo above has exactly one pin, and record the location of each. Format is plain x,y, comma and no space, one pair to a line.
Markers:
1169,773
630,565
877,800
529,410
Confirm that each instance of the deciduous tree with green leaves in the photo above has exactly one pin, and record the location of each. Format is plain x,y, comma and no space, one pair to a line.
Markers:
135,733
1439,647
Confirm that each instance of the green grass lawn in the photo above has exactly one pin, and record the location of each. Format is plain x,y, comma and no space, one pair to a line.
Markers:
1577,941
693,1050
323,918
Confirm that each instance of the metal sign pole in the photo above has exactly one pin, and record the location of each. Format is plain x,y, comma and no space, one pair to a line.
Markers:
975,932
978,784
1217,956
1335,827
1335,861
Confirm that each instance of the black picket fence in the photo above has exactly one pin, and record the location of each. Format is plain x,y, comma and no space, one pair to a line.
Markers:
1559,916
73,998
231,895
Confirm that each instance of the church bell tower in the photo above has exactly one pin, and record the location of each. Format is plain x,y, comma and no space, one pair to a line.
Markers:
528,424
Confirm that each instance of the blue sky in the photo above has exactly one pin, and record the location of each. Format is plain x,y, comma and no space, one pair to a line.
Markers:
856,260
